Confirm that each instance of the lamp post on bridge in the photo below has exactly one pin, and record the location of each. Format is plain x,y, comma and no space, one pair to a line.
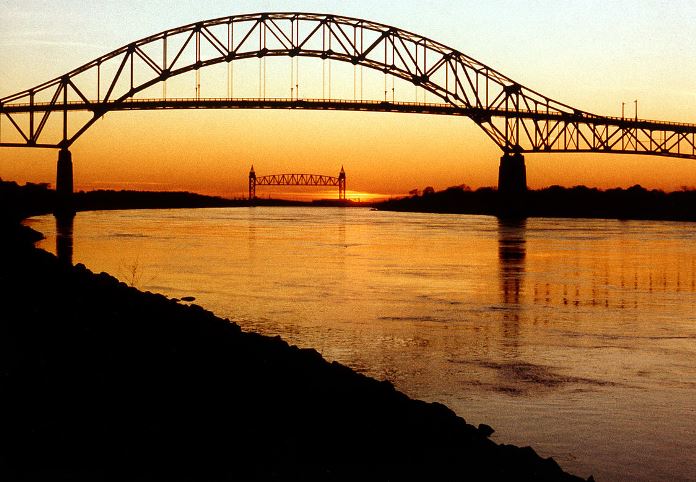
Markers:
623,110
636,102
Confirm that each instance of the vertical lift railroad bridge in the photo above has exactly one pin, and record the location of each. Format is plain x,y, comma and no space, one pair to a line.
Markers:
297,180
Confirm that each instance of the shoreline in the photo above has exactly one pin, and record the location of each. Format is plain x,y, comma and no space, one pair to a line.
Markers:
635,203
141,377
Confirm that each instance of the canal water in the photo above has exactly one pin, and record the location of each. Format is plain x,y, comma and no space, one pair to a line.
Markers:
577,337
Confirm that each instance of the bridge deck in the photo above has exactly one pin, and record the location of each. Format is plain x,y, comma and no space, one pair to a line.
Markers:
341,104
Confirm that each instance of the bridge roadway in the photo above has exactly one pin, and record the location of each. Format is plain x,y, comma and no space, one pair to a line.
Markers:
339,104
242,103
100,108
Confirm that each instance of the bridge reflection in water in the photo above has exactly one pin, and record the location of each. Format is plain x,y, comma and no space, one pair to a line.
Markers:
512,251
64,238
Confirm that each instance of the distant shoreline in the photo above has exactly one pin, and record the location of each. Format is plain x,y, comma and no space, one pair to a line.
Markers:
35,199
634,203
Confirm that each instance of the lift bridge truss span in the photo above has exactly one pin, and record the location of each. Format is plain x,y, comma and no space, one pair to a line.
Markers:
297,180
515,117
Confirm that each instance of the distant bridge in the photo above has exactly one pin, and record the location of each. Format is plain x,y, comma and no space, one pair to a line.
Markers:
518,119
297,180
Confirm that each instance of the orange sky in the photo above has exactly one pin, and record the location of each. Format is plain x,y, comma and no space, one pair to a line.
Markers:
390,154
385,154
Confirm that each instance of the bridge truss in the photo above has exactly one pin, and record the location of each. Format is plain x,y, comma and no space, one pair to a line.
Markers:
515,117
297,180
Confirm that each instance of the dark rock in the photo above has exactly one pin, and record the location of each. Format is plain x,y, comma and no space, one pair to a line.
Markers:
485,430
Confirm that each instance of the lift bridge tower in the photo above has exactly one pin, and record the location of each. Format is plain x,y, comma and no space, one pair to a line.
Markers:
297,180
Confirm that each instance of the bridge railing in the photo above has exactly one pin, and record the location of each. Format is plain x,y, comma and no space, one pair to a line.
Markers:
511,113
36,106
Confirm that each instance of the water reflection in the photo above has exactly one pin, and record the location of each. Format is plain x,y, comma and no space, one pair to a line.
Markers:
545,329
512,251
64,238
252,235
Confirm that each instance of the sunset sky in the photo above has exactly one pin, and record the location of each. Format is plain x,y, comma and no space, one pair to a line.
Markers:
593,55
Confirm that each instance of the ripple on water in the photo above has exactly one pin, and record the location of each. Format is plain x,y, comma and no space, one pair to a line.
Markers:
546,329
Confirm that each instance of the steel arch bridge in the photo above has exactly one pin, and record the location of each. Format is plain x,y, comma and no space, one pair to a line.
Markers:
518,119
297,180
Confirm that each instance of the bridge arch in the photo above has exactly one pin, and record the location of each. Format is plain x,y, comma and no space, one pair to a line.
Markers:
458,80
516,118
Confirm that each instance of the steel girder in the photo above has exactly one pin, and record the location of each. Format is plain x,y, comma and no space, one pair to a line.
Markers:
297,180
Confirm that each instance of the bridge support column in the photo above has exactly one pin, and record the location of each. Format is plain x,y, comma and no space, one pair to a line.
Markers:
342,185
64,184
512,185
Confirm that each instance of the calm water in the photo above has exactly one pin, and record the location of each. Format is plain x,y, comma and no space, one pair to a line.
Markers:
577,337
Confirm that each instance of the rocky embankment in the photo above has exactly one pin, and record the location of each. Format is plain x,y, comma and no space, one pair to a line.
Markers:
102,382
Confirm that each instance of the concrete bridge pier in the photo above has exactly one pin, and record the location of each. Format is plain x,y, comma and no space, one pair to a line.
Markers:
512,185
64,184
